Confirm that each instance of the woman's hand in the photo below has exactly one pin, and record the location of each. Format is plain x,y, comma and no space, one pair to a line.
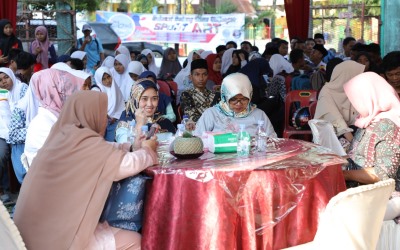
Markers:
140,117
366,175
38,50
138,142
3,59
190,125
151,143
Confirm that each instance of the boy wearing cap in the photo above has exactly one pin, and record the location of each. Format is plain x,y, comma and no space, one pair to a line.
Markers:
93,48
317,55
194,101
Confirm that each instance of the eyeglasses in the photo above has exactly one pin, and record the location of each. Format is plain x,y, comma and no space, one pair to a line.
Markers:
234,101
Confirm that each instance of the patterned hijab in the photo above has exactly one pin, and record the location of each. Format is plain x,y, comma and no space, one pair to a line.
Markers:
137,90
52,87
373,98
42,57
232,85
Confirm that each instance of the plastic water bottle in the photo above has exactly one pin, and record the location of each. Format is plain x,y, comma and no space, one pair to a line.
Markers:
185,119
132,132
145,130
261,137
180,130
243,141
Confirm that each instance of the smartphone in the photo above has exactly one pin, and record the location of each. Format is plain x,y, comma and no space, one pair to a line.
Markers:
153,131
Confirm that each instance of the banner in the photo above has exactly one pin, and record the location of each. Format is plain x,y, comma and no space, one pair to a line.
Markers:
171,28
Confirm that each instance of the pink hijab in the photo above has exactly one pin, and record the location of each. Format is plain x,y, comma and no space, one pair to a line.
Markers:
373,98
52,87
43,56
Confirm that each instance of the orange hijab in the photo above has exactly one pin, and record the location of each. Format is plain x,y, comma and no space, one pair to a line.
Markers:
65,190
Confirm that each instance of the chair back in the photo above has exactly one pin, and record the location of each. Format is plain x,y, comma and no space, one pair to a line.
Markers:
353,218
303,98
10,238
324,135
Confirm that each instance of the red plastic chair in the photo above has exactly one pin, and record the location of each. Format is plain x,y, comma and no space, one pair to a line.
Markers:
304,97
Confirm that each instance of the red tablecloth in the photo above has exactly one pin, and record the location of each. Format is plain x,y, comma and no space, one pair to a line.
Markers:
263,201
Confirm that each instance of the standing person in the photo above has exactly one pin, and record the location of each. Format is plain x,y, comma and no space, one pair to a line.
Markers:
93,47
196,100
83,167
8,41
53,87
43,49
151,58
116,103
170,65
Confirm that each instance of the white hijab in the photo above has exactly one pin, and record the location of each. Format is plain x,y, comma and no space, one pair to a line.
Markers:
123,50
205,53
78,54
278,63
64,67
116,104
152,66
123,81
108,62
185,72
136,68
14,95
226,60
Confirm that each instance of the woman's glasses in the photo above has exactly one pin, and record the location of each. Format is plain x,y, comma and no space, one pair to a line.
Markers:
235,101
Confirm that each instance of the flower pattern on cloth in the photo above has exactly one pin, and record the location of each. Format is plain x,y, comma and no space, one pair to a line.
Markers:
124,209
378,146
195,102
17,133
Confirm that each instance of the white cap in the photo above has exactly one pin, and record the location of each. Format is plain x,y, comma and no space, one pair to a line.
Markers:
86,27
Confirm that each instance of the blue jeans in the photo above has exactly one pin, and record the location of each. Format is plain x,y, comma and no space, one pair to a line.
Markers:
16,152
110,131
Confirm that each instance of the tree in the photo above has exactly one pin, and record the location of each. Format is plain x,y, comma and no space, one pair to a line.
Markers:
226,7
78,5
143,6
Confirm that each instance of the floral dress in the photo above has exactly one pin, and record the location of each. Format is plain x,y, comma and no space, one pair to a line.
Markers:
378,146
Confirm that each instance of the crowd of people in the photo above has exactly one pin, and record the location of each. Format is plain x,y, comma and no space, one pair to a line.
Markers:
67,120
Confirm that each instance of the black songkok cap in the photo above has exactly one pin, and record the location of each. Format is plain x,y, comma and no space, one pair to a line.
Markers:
199,64
321,49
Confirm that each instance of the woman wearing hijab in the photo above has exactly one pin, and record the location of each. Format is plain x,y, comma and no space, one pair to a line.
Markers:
144,100
116,103
170,65
43,49
164,108
82,167
8,41
375,148
182,79
16,90
120,74
333,104
239,60
152,61
214,71
108,62
279,64
135,68
143,60
123,50
53,87
234,108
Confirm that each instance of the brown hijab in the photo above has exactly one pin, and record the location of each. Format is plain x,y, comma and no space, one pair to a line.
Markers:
64,192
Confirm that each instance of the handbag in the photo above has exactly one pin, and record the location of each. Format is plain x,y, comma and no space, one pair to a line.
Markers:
124,205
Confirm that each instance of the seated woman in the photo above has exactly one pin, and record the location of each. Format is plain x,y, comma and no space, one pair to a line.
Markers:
234,108
82,168
52,88
116,103
144,99
375,148
333,104
239,60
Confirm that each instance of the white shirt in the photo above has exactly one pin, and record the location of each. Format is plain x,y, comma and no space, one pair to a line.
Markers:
37,132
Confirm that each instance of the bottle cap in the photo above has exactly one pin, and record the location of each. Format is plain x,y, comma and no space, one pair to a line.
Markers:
260,122
145,128
185,116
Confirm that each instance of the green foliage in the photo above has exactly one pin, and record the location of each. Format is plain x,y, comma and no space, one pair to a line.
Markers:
260,18
143,6
226,7
78,5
